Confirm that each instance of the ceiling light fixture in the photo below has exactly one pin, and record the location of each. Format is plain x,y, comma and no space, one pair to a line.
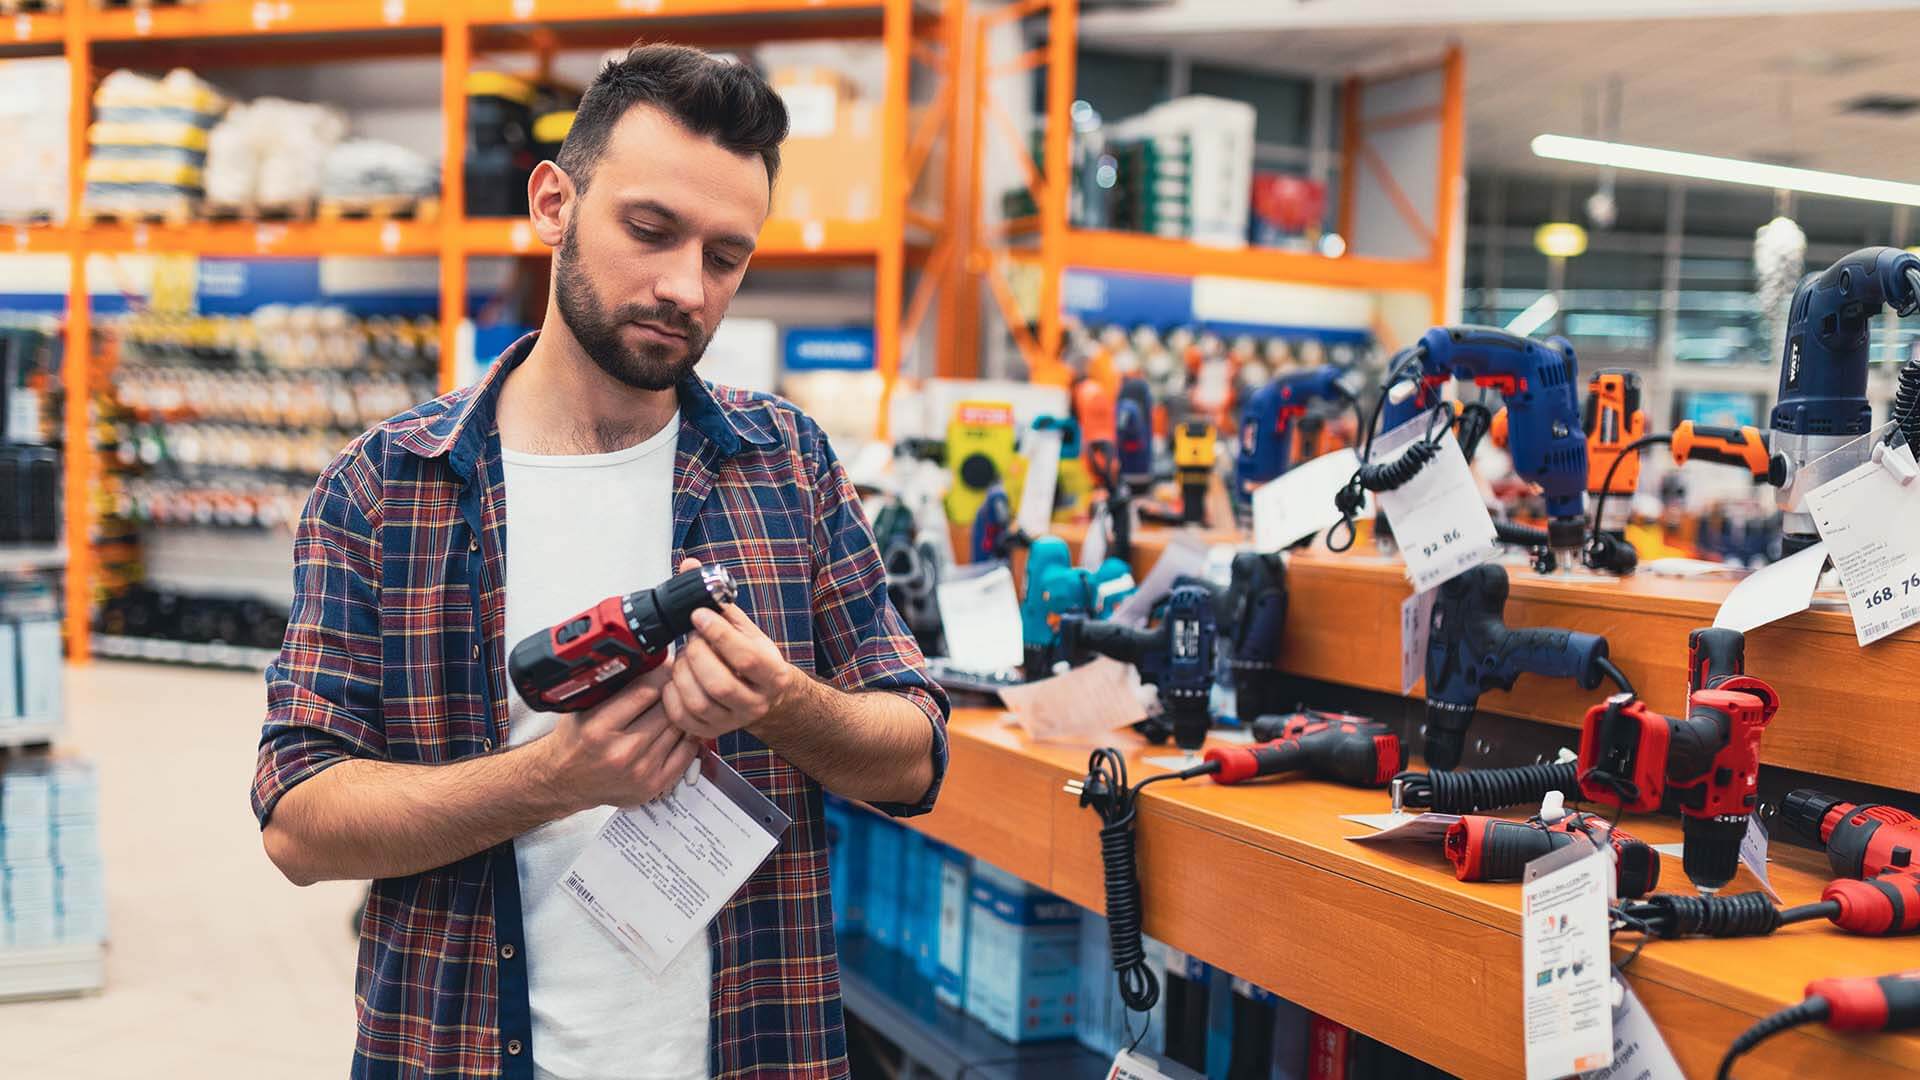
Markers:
1560,240
1724,170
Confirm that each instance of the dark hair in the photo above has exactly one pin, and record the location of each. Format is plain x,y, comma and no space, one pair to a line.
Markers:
723,100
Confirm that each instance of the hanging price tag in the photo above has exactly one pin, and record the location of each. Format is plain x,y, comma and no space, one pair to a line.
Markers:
1868,518
1299,502
981,619
1132,1065
1438,518
1564,974
1042,452
1416,628
1640,1052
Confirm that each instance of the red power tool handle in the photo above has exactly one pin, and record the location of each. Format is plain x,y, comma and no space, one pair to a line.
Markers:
1732,781
581,661
1888,1003
1648,733
1882,906
1864,839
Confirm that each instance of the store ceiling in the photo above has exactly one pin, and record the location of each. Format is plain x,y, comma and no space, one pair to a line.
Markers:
1771,86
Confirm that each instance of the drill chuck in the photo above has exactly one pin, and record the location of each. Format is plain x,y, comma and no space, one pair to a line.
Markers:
659,616
1711,853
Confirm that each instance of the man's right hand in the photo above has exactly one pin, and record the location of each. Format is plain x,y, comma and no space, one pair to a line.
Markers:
622,752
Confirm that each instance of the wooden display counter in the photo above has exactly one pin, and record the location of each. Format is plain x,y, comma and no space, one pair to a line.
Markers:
1259,880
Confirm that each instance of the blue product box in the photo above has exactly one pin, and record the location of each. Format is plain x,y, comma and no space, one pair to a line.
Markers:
1098,1025
833,813
1291,1025
886,844
1219,1024
1023,958
926,910
9,672
854,851
40,669
956,889
913,851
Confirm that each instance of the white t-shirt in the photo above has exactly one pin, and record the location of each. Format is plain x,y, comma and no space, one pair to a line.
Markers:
581,528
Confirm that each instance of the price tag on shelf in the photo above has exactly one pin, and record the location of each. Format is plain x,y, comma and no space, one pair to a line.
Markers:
1565,978
1416,628
1640,1052
1773,592
1439,521
523,9
394,12
142,21
1868,517
390,236
1299,502
22,27
1042,452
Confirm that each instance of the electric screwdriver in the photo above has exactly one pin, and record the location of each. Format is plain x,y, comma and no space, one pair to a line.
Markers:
1470,650
1822,403
1362,753
1613,418
1631,756
1887,1003
1253,613
1056,588
1267,421
1194,451
994,532
1862,840
1133,431
1495,849
584,660
1177,657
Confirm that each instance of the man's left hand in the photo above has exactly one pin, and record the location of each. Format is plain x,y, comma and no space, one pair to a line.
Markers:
729,676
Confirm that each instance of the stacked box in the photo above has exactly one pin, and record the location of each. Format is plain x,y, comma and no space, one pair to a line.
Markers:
956,892
148,142
1185,170
830,162
913,850
81,895
925,908
886,847
52,890
34,108
1023,970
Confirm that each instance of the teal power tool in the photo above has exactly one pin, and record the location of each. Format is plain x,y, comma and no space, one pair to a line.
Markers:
1177,657
1822,404
1056,589
1471,650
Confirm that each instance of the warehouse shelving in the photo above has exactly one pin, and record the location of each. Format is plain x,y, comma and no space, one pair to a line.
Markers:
31,28
245,32
1060,245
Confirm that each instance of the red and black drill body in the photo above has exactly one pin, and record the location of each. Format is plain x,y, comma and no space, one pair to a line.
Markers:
1632,757
1862,840
582,661
1495,849
1363,753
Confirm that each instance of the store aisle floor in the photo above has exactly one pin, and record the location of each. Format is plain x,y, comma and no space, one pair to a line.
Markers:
217,967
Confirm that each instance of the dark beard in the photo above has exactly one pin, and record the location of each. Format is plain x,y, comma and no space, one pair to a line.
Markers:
651,366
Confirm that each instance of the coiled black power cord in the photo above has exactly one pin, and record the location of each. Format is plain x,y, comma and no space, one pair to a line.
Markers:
1473,791
1744,915
1906,402
1105,789
1810,1011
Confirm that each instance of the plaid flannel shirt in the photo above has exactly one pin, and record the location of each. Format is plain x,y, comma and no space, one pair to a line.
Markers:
394,653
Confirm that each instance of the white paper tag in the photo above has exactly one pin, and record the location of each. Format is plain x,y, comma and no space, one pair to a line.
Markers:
810,110
1773,592
1299,502
1415,828
1439,522
1184,556
1089,700
1640,1052
1174,762
1043,475
1416,628
1869,521
1564,974
981,618
1130,1065
1093,548
1753,854
656,875
23,415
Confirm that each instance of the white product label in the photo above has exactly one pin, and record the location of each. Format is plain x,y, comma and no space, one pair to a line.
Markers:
1868,518
1428,828
1089,700
810,110
1093,549
981,618
1640,1052
1416,628
657,874
1753,854
1184,556
1043,476
1773,592
1131,1065
1439,522
22,27
1299,502
1564,974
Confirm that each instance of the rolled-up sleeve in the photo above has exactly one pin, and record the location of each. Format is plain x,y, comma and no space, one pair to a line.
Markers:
323,690
863,643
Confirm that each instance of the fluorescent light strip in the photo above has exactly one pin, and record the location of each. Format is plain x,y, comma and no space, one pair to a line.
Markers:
1537,315
1725,170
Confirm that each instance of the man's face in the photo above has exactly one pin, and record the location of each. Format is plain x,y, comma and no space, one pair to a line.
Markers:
654,250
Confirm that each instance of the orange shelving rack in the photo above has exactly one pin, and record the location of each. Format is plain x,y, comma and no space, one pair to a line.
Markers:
238,33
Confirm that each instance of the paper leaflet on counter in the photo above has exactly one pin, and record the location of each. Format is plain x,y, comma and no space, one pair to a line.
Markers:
1086,702
981,619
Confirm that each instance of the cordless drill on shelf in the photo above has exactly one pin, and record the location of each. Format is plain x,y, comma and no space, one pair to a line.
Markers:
1176,656
1471,650
1252,615
1613,418
1194,451
584,660
1887,1003
1350,750
1631,756
1055,589
1862,840
1495,849
1268,419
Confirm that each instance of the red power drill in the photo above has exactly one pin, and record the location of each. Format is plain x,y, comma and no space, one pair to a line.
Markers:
1862,840
1887,1003
1495,849
1363,753
583,661
1630,756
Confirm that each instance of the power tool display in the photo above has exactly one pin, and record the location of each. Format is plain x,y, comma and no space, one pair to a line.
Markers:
981,455
1095,406
913,574
584,660
1252,616
1862,840
1631,756
994,533
1176,656
1195,445
1613,418
1103,463
1884,906
1362,753
1470,650
1268,423
1887,1003
1133,431
1495,849
1822,403
1056,588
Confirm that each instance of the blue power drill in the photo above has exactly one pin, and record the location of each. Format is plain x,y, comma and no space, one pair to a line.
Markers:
1470,650
1133,429
1539,380
1176,656
1267,423
1252,611
1055,589
1823,370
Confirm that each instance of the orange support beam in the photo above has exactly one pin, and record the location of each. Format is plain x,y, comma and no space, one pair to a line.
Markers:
1349,155
1453,139
456,55
76,366
958,350
1062,39
890,261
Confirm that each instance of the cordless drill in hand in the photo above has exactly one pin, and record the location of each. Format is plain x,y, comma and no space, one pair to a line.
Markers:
586,659
1495,849
1470,650
1631,756
1177,657
1363,753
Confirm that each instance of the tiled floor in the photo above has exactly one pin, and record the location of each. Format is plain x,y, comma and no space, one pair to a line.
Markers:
218,967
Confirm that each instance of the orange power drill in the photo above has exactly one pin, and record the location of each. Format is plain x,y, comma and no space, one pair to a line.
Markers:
1613,418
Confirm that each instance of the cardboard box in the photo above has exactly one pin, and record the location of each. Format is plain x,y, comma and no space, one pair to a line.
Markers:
1023,958
830,164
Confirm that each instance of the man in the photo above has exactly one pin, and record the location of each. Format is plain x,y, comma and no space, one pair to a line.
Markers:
394,748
